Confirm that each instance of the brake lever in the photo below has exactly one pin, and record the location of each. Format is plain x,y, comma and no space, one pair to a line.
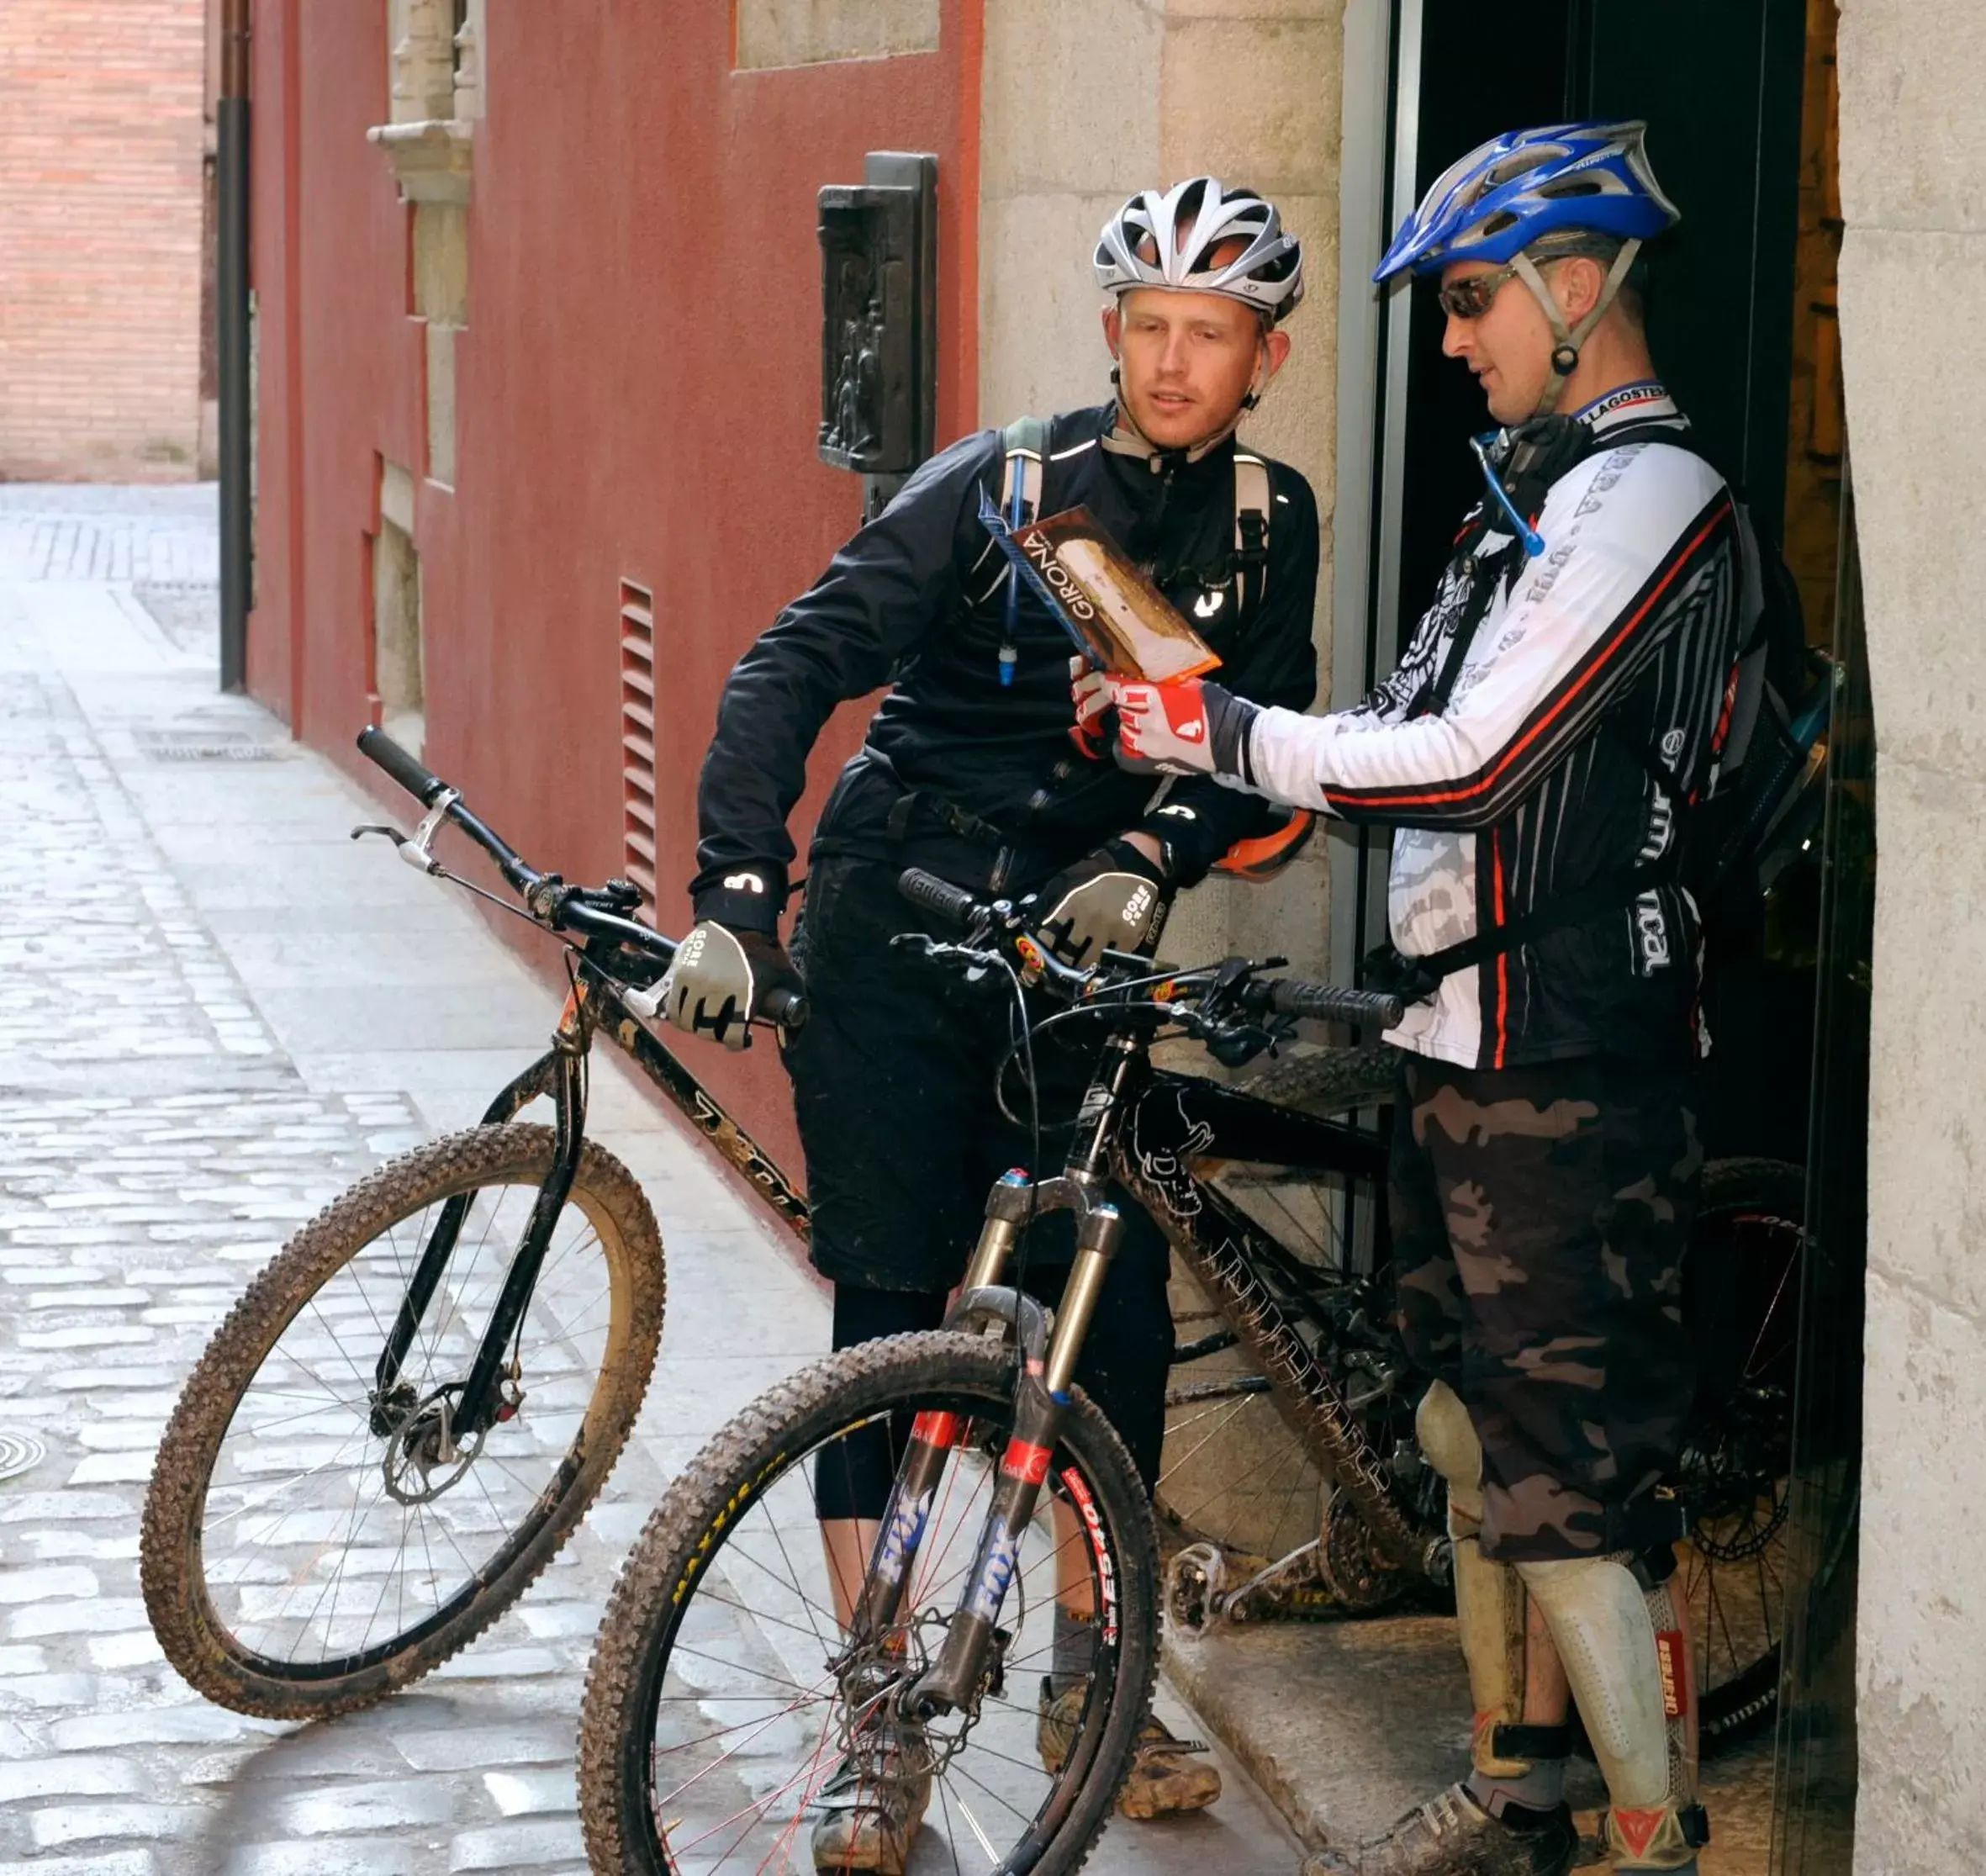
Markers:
417,850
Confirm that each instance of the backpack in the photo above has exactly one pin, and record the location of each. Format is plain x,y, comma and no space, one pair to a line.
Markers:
1780,701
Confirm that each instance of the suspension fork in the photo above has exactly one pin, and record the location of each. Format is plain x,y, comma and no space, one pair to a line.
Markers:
1041,1396
560,1074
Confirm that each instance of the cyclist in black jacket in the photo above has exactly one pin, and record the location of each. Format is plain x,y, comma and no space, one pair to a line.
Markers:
976,769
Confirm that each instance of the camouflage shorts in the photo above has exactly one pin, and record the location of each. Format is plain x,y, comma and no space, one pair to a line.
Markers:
1539,1216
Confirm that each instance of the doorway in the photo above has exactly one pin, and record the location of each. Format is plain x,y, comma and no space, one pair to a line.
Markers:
1739,97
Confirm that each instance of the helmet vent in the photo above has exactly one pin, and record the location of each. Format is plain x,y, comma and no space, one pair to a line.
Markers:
1571,185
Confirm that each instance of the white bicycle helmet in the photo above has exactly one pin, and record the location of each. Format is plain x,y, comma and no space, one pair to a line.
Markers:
1169,240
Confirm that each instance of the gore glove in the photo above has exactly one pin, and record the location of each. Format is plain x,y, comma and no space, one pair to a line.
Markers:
719,979
1114,897
1193,728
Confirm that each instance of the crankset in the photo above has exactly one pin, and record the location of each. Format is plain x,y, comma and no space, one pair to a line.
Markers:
1342,1572
1206,1589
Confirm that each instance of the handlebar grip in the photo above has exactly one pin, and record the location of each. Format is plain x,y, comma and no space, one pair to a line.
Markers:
786,1008
937,896
422,783
1329,1003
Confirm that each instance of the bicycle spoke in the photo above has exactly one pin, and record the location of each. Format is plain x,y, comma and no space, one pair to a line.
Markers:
737,1635
362,1560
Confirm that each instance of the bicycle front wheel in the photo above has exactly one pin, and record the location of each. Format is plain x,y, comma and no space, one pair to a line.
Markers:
310,1543
723,1696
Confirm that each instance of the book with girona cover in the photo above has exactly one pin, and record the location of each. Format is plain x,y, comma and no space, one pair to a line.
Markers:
1121,621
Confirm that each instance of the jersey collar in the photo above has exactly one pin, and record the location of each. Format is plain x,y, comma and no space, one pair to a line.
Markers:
1645,401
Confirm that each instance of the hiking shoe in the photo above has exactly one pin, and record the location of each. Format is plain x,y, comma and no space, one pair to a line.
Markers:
1165,1778
1451,1834
867,1813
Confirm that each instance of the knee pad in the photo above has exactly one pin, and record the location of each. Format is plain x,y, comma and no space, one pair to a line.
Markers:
1447,1437
1623,1640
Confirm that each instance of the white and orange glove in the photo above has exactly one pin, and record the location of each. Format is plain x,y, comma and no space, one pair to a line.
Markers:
1089,689
1193,728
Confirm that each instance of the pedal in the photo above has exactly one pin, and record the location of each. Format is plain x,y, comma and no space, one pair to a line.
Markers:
1196,1590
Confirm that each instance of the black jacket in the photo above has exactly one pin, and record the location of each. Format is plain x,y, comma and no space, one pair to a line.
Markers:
915,600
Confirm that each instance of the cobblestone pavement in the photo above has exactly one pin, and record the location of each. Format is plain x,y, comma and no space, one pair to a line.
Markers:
215,1013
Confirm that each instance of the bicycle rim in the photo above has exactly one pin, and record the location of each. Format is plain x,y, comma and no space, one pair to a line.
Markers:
335,1534
1743,1298
746,1701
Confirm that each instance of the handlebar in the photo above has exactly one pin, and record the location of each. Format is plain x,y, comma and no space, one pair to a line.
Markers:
937,896
547,898
1287,996
405,767
1331,1003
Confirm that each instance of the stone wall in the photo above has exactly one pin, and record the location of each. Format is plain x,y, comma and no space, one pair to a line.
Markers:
1913,79
1081,105
101,148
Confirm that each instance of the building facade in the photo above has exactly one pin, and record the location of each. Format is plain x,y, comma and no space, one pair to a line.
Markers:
103,151
538,368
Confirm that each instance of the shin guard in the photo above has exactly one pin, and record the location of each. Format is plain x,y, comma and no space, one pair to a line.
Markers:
1623,1638
1514,1762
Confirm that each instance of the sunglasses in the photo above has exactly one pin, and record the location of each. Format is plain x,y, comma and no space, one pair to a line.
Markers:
1470,298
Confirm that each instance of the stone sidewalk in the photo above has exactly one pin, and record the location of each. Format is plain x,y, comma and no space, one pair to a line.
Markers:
215,1012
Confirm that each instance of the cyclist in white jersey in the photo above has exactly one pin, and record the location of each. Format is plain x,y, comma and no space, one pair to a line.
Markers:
1561,707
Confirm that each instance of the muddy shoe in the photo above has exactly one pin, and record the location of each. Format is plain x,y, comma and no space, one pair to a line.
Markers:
1165,1776
868,1812
1454,1836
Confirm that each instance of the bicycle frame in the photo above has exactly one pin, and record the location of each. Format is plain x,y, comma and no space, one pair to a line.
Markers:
1144,1128
594,1005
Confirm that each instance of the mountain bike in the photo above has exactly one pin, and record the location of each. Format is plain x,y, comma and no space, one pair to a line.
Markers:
725,1688
396,1428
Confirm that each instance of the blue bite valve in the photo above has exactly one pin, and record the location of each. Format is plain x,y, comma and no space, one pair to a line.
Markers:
1009,657
1533,542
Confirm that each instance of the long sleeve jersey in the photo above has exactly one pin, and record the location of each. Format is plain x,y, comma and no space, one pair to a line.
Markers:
1584,717
916,600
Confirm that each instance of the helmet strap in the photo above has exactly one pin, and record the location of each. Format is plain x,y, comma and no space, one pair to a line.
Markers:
1127,439
1567,339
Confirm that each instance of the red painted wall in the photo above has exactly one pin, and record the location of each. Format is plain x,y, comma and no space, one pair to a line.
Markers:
637,392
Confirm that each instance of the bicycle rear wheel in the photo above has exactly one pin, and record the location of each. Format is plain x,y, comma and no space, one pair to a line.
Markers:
309,1544
722,1693
1742,1301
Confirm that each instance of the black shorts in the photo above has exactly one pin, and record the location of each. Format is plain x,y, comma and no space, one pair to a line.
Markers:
892,1083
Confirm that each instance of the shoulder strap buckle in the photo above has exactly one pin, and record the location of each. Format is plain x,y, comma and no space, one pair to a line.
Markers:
1252,499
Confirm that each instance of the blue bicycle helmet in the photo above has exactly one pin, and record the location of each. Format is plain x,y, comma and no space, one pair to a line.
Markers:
1536,195
1500,198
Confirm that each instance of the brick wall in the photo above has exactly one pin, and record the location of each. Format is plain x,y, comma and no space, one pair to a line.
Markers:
101,145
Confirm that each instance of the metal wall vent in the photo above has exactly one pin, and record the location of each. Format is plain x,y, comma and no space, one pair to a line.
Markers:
208,746
638,737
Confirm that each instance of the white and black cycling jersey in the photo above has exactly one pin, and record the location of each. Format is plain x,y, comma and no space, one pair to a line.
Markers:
1583,718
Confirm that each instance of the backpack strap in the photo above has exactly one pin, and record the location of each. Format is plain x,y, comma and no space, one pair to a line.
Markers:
1252,499
1026,441
1020,480
1415,978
